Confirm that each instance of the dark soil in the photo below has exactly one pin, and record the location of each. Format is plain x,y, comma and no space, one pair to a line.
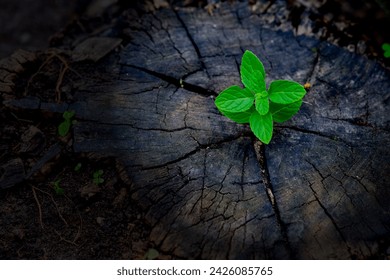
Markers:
59,212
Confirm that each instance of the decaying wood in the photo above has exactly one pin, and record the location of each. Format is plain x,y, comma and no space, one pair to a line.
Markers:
320,190
12,173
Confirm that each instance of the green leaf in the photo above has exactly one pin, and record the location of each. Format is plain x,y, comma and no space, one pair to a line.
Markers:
241,117
261,103
151,254
285,92
97,179
234,99
386,48
78,166
262,126
63,128
97,173
57,188
56,183
252,72
67,115
283,112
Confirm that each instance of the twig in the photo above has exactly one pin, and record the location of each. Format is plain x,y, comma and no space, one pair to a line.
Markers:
39,206
55,204
65,240
36,73
18,251
81,222
61,75
77,236
20,119
79,229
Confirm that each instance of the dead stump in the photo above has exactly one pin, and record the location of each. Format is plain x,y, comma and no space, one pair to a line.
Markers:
319,190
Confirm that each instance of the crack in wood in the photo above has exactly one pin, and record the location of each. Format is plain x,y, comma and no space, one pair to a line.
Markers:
317,133
331,219
359,121
190,37
172,130
315,68
197,149
174,81
261,158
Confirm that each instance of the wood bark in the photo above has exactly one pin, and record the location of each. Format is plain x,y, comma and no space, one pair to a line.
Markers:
319,190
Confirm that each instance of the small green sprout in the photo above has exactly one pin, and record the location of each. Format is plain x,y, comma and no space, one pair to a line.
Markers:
386,49
97,177
64,127
57,188
78,166
151,254
257,105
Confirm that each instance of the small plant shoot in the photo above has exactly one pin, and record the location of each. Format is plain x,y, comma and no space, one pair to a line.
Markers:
57,188
78,166
386,50
151,254
97,177
64,127
257,105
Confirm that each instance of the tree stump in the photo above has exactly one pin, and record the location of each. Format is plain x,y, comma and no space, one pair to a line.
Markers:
319,190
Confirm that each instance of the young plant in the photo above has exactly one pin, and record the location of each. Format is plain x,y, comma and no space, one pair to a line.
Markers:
57,188
151,254
97,177
64,127
78,166
386,50
257,105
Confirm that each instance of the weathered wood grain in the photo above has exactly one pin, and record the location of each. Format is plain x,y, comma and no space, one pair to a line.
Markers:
320,190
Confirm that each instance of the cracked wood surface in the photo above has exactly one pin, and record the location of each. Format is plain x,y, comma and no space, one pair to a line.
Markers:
320,190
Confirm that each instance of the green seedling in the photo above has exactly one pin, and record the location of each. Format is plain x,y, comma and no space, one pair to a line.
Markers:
78,166
57,188
97,177
386,49
151,254
64,127
257,105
